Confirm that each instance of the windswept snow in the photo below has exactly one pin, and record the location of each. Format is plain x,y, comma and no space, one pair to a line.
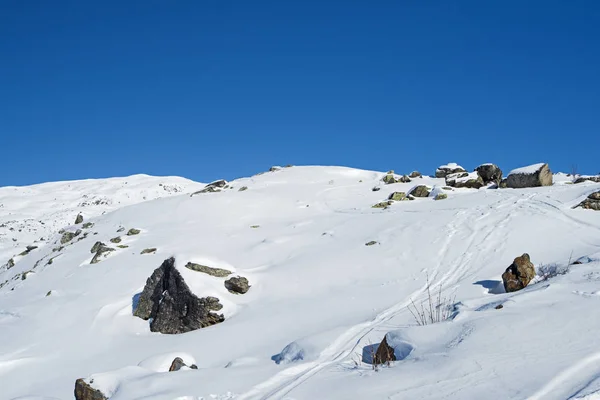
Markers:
528,170
318,295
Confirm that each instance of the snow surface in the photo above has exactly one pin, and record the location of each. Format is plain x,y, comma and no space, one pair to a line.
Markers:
449,166
316,284
528,170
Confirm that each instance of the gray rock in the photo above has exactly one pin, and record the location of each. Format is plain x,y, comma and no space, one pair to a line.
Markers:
237,285
371,243
582,179
150,250
465,180
542,176
116,239
173,308
218,272
178,363
101,251
389,178
445,170
440,196
11,263
397,196
415,174
84,391
96,246
133,232
591,203
376,189
420,191
79,219
489,173
87,225
68,236
243,189
383,204
212,187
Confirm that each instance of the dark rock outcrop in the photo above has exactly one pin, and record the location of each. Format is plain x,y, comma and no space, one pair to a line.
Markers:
212,187
383,204
218,272
116,239
489,173
415,174
591,203
385,353
237,285
169,302
133,232
83,391
79,219
518,275
397,196
101,251
464,180
532,176
68,236
150,250
582,179
87,225
178,363
445,170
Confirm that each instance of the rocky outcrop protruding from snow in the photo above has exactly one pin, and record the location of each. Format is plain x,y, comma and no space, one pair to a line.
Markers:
68,236
79,219
489,173
440,196
464,180
178,363
518,275
218,272
169,302
84,391
531,176
415,174
133,232
398,196
582,179
237,285
212,187
385,353
101,251
420,191
592,202
451,168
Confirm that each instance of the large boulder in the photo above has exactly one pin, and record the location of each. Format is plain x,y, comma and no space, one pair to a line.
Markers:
415,174
518,275
420,191
172,307
451,168
592,202
464,180
531,176
84,391
237,285
489,173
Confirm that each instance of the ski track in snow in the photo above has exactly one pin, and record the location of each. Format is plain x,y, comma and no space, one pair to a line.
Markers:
284,382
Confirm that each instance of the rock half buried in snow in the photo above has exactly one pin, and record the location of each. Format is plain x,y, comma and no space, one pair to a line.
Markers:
83,391
212,187
451,168
490,173
385,353
464,180
531,176
178,363
79,219
420,191
237,285
518,275
397,196
218,272
101,251
591,203
169,302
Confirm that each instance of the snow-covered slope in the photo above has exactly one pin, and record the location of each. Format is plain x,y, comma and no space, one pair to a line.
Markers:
298,234
30,214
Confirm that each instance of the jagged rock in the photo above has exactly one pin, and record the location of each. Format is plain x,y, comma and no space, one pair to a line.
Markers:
489,173
371,243
415,174
173,308
384,353
389,178
96,247
212,187
397,196
404,179
149,250
116,239
133,232
79,219
451,168
237,285
531,176
243,189
218,272
383,204
84,391
101,251
591,203
582,179
518,275
11,263
68,236
178,363
213,304
87,225
465,180
420,191
440,196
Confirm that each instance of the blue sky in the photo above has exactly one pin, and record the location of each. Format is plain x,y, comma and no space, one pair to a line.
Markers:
211,89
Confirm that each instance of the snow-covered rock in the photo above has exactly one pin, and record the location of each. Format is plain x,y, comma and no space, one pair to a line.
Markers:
451,168
531,176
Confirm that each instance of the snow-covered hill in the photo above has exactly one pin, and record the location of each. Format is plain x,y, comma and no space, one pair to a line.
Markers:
319,297
30,214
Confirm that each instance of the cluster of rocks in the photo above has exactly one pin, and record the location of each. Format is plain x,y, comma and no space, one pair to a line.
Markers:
213,187
518,275
100,251
592,202
390,177
236,285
